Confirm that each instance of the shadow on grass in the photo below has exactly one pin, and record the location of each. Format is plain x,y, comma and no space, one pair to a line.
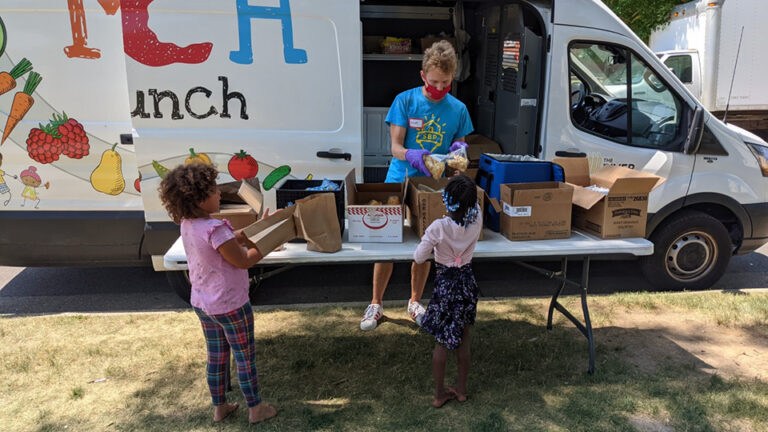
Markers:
523,377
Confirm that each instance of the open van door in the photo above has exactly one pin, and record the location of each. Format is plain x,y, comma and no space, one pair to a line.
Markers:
230,80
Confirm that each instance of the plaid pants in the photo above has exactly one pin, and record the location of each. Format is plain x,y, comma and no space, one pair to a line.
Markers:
232,329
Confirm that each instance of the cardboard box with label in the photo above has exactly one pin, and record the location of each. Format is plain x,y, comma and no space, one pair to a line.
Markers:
536,211
379,223
621,212
425,202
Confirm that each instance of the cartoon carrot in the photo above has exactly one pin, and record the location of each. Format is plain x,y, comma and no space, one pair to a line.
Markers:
22,102
8,80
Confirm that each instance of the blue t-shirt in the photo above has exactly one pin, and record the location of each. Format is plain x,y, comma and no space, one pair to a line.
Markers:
432,126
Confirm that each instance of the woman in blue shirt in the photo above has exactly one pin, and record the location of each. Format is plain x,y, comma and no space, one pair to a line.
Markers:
422,121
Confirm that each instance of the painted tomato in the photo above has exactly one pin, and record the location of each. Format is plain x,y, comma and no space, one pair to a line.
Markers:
243,166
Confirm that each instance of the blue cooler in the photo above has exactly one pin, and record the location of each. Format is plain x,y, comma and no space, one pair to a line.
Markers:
497,169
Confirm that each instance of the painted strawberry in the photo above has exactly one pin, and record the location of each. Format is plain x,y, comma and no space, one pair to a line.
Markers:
44,144
243,166
73,136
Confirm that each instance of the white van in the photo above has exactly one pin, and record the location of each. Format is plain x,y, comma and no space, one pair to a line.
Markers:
287,82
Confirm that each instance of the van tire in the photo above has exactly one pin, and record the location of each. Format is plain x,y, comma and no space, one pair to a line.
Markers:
179,281
691,250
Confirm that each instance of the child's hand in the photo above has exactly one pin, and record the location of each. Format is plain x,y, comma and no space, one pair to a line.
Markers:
242,239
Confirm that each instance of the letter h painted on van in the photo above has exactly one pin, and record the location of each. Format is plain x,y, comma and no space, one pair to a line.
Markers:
246,12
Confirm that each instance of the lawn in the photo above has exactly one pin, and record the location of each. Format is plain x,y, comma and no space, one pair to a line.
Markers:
665,362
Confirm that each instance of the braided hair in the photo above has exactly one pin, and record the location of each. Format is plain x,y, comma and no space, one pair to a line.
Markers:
460,199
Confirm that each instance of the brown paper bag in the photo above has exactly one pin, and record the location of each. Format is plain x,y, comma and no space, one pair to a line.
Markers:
271,232
317,223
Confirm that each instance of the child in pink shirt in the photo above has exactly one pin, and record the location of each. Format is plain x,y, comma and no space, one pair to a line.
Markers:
218,272
453,306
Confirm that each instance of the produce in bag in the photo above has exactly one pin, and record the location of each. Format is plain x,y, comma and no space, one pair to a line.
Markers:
435,165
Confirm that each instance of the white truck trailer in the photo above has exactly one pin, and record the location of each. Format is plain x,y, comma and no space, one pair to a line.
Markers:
700,45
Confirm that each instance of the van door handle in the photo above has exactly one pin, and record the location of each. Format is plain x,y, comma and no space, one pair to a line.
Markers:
331,155
126,139
563,153
525,72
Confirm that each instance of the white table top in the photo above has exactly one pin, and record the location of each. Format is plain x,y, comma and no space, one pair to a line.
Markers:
494,245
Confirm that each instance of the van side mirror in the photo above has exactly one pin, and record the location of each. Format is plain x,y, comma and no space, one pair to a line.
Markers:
695,132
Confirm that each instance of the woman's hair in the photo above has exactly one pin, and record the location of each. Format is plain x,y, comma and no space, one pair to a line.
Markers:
440,55
185,187
460,198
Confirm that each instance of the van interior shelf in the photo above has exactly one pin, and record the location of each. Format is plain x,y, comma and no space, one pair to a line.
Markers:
405,12
393,57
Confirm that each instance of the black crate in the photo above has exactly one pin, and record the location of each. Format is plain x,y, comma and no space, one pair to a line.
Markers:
293,190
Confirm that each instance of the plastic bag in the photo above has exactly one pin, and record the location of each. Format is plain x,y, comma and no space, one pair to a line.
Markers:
325,186
458,159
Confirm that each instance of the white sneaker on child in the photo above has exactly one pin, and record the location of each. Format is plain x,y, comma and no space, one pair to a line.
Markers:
416,311
371,317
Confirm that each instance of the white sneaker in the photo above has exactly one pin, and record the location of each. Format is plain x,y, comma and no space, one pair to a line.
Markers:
371,317
416,311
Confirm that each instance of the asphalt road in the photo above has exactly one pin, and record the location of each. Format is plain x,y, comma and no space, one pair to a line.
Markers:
25,291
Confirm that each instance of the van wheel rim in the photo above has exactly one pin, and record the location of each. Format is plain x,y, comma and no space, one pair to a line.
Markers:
691,256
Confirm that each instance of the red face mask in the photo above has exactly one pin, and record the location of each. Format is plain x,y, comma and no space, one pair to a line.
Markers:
436,94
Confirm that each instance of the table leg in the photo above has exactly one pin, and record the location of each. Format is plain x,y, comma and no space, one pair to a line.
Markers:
563,270
585,309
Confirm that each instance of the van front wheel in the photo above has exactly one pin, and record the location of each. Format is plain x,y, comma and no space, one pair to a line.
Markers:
179,281
691,250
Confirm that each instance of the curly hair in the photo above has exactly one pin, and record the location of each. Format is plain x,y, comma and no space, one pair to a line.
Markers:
461,190
440,55
185,187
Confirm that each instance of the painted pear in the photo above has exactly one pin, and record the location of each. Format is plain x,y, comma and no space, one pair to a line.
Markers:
108,176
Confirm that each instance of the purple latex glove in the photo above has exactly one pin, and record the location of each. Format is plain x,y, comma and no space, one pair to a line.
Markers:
416,159
457,145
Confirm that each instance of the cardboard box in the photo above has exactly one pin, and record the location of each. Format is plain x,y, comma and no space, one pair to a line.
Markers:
242,215
312,218
427,42
425,207
479,144
536,211
620,213
374,223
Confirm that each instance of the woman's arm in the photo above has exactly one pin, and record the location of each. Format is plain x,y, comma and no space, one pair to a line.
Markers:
234,254
397,134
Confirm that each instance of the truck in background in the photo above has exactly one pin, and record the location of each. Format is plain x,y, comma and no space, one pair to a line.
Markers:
700,45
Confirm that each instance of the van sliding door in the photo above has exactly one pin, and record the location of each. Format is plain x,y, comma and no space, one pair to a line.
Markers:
518,84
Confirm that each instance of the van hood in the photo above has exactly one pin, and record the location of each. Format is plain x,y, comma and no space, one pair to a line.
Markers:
746,135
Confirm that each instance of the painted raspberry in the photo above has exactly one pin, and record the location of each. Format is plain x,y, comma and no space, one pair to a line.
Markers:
73,137
44,144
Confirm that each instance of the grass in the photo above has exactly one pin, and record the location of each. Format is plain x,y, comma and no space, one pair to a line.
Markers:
323,373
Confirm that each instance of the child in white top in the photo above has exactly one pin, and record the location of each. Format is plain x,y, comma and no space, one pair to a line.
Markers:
453,306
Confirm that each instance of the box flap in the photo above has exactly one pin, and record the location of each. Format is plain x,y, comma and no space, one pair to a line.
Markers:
607,177
576,170
636,185
351,184
252,196
586,198
272,231
493,202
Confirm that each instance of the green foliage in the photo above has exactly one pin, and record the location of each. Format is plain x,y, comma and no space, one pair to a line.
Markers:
643,16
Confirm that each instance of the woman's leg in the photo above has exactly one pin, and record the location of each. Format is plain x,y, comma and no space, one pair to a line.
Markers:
381,274
462,357
218,360
439,357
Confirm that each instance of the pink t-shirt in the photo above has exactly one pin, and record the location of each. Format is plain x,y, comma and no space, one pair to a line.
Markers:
453,244
218,287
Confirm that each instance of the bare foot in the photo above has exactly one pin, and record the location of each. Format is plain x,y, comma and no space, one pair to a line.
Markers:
220,412
440,400
461,397
261,412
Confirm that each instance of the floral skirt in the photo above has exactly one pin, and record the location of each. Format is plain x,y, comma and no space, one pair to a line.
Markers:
453,305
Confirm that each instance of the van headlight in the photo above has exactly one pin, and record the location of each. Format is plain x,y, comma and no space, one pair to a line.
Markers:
761,153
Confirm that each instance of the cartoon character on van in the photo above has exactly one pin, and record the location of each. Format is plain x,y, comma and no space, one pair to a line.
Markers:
4,189
31,181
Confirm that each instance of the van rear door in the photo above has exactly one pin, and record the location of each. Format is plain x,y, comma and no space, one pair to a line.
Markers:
228,76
